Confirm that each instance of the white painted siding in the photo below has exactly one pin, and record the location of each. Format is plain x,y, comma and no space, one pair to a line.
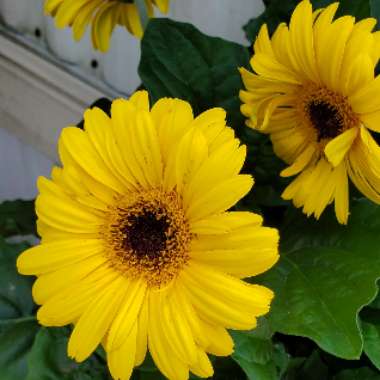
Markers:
20,166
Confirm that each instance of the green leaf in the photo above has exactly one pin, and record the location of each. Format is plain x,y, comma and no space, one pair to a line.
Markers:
276,12
17,218
375,10
311,368
15,290
370,324
177,60
325,276
16,339
48,359
256,354
363,373
371,336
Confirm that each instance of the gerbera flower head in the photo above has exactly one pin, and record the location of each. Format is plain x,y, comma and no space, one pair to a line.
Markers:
103,15
138,250
315,92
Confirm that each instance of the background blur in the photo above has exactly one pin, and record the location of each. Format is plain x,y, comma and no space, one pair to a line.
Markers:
47,79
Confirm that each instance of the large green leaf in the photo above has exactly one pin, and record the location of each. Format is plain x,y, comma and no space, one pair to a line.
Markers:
15,290
16,339
177,60
257,355
370,324
311,368
17,327
362,373
326,274
48,359
17,218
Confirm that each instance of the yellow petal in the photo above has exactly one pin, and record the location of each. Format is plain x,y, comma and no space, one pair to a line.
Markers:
163,356
51,6
220,198
220,341
337,148
242,261
301,37
67,306
127,315
96,320
366,99
363,166
141,100
77,144
221,165
50,284
371,120
177,329
300,163
51,256
341,194
142,336
186,160
172,118
83,18
121,361
67,12
230,302
203,367
56,209
225,222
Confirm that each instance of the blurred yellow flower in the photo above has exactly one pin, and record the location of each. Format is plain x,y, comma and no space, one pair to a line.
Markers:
103,15
315,92
138,250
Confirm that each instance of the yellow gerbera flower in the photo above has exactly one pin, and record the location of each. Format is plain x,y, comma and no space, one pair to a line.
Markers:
104,15
138,250
314,91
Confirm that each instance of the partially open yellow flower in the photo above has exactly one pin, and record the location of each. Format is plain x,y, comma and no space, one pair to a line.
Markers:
103,15
314,91
138,250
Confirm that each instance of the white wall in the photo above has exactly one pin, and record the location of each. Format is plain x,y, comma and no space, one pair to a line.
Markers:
20,166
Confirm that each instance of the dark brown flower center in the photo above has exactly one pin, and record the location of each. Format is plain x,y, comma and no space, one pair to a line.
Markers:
326,119
146,234
326,112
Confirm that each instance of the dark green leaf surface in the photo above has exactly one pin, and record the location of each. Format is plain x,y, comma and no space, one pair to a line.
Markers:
256,354
363,373
48,359
311,368
16,340
371,337
370,325
177,60
15,290
375,10
326,274
17,218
